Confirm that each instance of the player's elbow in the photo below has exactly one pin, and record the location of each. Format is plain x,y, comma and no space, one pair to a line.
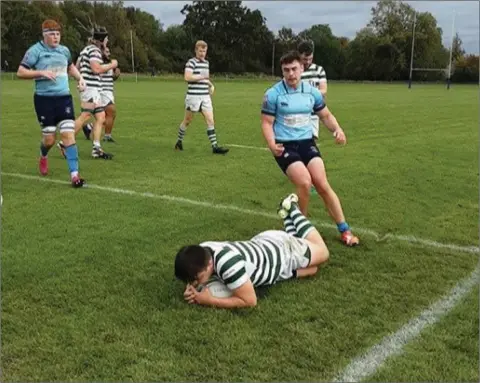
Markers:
251,301
187,77
21,72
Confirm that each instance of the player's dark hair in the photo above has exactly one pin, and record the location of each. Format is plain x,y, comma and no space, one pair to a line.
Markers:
305,48
189,261
290,57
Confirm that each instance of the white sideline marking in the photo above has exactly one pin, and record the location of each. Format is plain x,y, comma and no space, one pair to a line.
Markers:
403,238
248,147
392,345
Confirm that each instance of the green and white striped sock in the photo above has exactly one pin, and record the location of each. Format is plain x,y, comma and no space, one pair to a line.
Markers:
302,225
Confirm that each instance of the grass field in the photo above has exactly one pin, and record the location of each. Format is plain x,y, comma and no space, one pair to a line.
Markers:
88,292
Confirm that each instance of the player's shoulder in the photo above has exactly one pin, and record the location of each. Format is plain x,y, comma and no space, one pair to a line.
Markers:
37,47
276,89
63,49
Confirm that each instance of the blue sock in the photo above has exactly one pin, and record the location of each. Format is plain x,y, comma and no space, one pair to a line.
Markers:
43,150
71,154
342,227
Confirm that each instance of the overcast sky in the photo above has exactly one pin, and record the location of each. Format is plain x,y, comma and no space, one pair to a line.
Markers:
344,17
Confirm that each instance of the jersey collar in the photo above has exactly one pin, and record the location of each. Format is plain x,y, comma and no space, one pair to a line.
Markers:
289,89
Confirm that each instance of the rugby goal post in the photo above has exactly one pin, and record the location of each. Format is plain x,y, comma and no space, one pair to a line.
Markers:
447,70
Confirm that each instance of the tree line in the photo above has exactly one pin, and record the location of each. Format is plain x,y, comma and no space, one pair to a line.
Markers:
240,41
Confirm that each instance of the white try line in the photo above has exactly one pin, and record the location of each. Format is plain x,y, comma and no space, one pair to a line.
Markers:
211,205
392,345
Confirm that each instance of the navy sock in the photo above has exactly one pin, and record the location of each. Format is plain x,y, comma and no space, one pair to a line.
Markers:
71,154
343,227
43,150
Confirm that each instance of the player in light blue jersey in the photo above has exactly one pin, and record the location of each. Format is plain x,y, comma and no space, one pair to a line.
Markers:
287,128
49,64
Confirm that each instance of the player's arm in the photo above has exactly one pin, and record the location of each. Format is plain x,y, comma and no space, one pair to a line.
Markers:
322,86
243,296
190,77
327,117
96,63
26,69
269,112
74,72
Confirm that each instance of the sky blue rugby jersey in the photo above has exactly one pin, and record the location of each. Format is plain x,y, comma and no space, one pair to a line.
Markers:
42,57
292,109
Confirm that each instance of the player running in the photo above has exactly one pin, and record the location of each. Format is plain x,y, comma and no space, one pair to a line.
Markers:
269,257
49,63
286,126
198,98
107,100
92,67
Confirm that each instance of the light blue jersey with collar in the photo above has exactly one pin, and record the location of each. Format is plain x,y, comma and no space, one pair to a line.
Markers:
42,57
292,109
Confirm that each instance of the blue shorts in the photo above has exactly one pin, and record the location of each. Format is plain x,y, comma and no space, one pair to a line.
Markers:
303,150
51,110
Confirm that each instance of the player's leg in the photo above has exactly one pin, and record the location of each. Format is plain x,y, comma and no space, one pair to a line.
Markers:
187,119
315,131
298,174
110,116
316,167
206,109
97,151
66,125
44,108
306,248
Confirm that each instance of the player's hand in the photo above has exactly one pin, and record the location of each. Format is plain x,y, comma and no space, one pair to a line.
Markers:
277,149
116,73
114,64
211,89
81,85
340,137
49,74
191,295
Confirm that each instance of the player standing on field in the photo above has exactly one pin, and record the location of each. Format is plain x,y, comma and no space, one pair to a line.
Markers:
198,98
286,126
50,63
315,75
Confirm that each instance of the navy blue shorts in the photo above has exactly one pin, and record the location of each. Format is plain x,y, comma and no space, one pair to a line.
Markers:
303,150
51,110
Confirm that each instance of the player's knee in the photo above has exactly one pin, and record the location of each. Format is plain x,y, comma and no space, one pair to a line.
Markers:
68,137
49,140
322,186
304,184
320,254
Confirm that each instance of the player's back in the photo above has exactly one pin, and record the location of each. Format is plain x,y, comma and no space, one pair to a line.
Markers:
90,52
259,259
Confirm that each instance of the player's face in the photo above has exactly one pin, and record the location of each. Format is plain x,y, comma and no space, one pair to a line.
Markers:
292,73
52,39
106,52
201,53
307,60
204,275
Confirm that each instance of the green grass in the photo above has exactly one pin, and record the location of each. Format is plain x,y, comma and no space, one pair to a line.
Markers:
447,352
87,276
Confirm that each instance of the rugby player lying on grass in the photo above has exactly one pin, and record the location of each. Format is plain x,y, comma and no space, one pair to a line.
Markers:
267,258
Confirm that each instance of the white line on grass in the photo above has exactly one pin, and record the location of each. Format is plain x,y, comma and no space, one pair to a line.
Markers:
403,238
392,345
